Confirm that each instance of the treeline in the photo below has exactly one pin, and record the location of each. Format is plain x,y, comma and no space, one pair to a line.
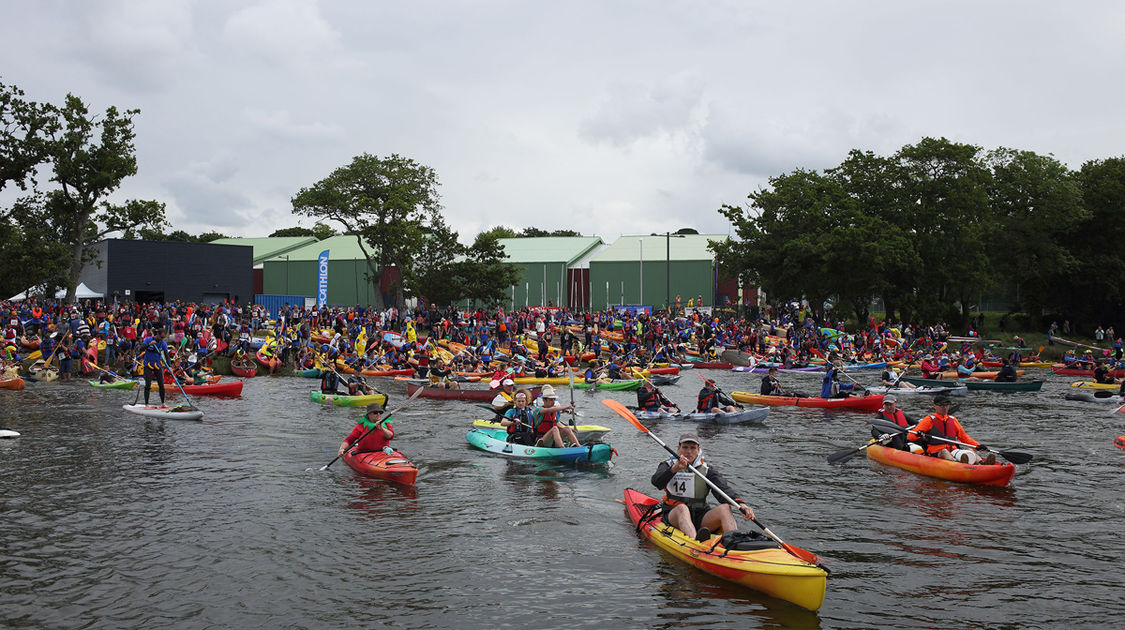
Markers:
934,229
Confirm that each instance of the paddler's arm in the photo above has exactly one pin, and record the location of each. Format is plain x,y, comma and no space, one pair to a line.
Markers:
663,475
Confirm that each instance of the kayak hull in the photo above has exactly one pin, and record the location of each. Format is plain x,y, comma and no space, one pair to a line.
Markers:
994,475
610,386
746,416
494,441
119,384
953,390
772,570
165,413
585,432
394,467
343,400
1018,386
244,371
852,403
15,384
229,388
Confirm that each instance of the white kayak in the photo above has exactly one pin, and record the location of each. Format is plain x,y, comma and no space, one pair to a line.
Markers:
958,390
1106,397
756,415
168,413
8,433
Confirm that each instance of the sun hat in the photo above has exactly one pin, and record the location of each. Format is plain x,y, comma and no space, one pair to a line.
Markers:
548,392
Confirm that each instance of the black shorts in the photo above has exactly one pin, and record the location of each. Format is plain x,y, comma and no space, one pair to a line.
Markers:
522,438
697,514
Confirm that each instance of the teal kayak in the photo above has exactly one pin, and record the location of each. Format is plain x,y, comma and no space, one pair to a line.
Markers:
121,384
495,441
610,386
310,373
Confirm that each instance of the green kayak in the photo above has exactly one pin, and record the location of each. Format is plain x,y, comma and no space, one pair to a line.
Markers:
495,441
310,373
121,384
1018,386
610,386
343,400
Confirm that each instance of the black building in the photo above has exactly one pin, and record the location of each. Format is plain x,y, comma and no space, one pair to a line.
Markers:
166,271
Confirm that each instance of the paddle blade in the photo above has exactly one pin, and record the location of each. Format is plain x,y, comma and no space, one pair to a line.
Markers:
624,412
1016,457
840,457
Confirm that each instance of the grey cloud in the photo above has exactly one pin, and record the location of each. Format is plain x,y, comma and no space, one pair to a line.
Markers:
205,202
632,111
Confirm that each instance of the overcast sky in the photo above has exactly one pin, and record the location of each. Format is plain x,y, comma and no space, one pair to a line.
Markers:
605,117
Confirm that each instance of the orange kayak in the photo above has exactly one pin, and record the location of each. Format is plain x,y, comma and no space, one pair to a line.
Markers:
393,467
16,383
994,475
859,403
1120,441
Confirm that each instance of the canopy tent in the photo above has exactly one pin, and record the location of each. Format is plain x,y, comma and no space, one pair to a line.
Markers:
83,292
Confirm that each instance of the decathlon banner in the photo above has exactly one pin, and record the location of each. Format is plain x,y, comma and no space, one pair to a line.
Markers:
322,279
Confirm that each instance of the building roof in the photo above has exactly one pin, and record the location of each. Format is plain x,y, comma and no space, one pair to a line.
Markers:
268,247
548,249
659,248
341,247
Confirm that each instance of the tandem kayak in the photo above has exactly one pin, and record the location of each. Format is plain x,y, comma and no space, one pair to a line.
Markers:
118,384
393,467
987,475
1018,386
761,565
858,403
343,400
585,432
746,416
495,441
167,413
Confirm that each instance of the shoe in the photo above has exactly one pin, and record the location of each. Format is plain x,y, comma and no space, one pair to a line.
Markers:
703,535
990,459
964,458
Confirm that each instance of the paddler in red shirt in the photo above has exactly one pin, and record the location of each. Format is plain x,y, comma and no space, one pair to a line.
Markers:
371,434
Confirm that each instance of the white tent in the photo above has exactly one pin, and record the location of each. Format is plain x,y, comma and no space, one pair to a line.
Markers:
83,292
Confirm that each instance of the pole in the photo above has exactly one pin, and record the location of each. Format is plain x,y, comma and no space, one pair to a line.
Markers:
641,266
668,271
287,274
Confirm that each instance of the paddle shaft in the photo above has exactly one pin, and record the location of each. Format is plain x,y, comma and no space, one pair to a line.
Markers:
175,380
840,457
1017,457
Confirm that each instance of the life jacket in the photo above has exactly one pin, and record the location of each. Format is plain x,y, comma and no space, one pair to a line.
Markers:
686,486
647,399
545,424
329,381
706,401
525,420
941,427
897,417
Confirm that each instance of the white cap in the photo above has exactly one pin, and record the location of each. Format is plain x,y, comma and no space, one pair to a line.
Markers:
507,381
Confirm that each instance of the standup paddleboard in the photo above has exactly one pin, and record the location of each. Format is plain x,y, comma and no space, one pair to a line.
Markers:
168,413
8,433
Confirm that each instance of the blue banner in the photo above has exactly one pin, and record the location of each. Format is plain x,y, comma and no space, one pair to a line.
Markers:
322,279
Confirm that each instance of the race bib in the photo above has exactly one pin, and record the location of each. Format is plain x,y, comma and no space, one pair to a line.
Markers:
681,482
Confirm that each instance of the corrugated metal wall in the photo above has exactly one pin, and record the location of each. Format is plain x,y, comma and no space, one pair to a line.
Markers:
621,283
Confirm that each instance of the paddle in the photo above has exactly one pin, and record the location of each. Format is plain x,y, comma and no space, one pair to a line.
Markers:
570,375
840,457
802,554
1016,457
53,351
164,359
386,417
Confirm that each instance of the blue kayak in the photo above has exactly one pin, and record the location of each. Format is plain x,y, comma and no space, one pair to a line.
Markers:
495,441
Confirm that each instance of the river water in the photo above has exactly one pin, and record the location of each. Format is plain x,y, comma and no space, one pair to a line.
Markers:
115,521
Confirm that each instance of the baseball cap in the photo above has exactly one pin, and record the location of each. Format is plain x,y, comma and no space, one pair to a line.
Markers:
508,381
689,437
889,398
941,399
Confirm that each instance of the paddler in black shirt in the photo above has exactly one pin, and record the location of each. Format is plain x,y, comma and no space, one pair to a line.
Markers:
685,494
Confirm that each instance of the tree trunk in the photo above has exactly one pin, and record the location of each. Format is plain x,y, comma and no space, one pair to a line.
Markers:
77,249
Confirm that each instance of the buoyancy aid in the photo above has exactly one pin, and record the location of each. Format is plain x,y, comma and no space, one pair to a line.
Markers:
686,486
524,424
941,426
546,423
898,417
647,399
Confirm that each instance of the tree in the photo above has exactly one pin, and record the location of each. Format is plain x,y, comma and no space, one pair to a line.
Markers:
500,231
1095,290
483,272
90,157
293,231
434,274
31,252
387,203
208,237
25,127
536,232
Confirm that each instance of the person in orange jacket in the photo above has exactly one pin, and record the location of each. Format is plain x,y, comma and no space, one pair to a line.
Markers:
941,424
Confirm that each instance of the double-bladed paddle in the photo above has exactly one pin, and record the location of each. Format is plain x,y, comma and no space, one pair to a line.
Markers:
802,554
886,426
840,457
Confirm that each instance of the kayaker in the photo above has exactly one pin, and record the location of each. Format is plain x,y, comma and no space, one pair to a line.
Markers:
372,433
941,424
548,430
892,413
930,369
504,398
684,505
830,386
329,382
1008,373
525,423
770,385
1101,374
649,398
439,375
891,378
711,400
154,348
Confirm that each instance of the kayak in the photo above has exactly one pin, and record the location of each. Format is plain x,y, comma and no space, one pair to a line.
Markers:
168,413
1078,372
245,371
269,362
672,369
495,441
585,432
343,400
1094,397
1023,364
664,379
1119,442
714,365
610,386
389,372
8,433
16,383
951,390
975,374
481,395
994,475
118,384
859,403
745,416
229,388
310,373
1018,386
1093,385
766,369
765,567
737,357
393,467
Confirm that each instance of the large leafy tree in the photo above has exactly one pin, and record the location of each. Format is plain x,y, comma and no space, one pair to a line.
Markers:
389,204
1095,290
25,128
483,272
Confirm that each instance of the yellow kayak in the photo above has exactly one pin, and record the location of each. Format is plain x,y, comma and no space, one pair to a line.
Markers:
1093,385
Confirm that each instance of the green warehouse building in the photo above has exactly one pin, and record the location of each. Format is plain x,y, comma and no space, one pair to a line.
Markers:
294,273
551,270
653,270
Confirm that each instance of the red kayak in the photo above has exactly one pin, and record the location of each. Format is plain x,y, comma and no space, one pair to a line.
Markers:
394,467
713,365
229,388
480,395
245,372
857,403
675,369
1078,372
270,363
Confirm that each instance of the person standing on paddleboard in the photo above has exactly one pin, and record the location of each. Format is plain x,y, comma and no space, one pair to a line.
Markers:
372,433
154,348
685,494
